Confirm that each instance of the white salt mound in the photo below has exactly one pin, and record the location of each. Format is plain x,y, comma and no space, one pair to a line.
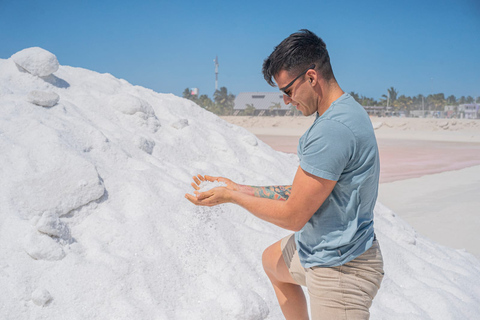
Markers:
43,98
36,61
41,297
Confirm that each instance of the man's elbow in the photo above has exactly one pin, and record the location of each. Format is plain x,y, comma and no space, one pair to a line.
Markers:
295,229
293,219
295,223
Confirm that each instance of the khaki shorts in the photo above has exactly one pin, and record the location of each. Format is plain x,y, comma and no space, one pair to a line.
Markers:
343,292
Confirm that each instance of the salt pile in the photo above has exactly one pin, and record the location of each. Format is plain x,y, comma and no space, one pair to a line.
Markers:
94,223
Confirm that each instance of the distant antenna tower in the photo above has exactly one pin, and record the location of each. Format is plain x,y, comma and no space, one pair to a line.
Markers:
216,73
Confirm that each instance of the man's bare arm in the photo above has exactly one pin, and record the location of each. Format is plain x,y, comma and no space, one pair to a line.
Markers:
269,192
308,192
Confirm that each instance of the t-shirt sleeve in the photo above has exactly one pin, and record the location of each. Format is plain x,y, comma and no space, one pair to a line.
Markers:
326,149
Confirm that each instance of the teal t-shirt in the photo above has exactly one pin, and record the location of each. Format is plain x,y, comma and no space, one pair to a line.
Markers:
340,146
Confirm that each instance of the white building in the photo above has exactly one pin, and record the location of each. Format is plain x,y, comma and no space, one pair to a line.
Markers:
470,111
263,102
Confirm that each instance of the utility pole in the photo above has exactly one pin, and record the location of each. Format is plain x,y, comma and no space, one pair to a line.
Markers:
216,73
388,102
423,106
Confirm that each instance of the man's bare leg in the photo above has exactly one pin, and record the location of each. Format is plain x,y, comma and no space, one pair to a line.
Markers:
289,294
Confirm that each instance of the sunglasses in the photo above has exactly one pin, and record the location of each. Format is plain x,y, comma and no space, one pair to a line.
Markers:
284,89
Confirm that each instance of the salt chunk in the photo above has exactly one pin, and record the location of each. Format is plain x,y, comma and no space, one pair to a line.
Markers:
144,144
129,104
51,224
41,297
36,61
42,247
251,140
180,124
43,98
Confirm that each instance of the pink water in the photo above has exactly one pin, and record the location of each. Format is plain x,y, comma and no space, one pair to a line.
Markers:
404,159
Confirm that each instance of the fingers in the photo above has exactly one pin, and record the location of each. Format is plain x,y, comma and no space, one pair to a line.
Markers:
204,195
198,179
210,178
191,198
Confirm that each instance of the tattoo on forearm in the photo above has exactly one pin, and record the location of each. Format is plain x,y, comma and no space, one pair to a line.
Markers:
273,192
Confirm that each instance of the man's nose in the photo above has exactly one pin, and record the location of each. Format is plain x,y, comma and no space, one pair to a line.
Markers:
286,99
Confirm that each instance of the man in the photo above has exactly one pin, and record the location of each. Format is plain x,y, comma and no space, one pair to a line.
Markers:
333,251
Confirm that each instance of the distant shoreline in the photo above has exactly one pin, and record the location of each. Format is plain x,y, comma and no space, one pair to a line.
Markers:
426,129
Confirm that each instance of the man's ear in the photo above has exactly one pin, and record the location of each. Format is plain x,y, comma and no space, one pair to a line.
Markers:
312,77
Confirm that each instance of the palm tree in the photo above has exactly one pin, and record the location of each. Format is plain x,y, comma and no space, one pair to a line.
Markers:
186,93
250,110
451,100
404,103
223,100
392,96
364,101
205,102
276,106
392,93
436,101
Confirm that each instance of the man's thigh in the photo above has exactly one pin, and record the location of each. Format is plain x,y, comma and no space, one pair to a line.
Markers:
274,264
347,291
292,261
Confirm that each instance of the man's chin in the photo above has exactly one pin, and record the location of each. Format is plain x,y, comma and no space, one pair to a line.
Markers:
302,112
305,114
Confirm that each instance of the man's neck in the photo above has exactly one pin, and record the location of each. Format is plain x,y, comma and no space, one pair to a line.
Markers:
332,92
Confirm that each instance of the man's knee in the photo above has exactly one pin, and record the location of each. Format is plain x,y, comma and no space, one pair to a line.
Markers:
266,259
270,259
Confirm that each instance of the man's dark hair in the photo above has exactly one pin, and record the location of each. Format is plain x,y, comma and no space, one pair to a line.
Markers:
295,54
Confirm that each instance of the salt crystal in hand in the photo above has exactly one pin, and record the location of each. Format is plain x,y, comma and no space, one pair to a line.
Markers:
207,185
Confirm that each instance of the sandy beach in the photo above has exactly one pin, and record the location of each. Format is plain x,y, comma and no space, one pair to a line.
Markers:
430,170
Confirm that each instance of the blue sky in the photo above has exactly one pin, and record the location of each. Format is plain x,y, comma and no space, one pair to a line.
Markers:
418,47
